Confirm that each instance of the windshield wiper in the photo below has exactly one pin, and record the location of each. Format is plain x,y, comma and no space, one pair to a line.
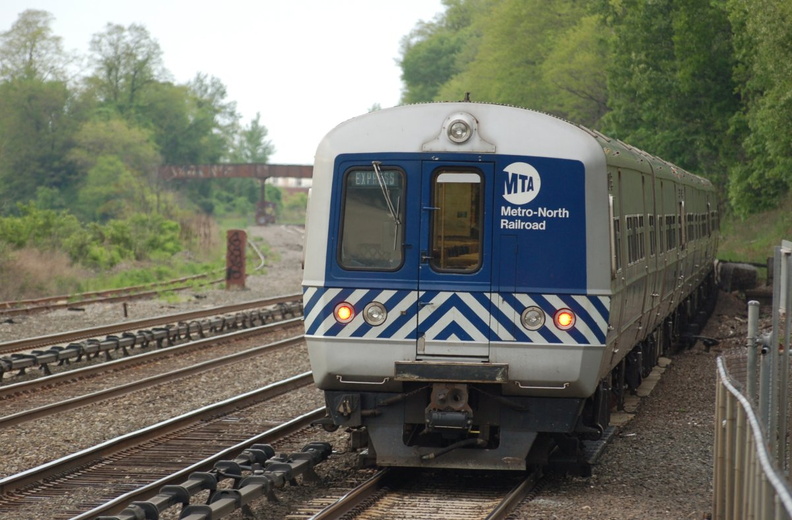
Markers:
385,192
388,202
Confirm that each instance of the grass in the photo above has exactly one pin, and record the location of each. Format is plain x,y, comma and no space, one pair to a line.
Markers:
753,239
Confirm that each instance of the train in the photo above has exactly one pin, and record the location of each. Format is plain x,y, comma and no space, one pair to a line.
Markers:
483,284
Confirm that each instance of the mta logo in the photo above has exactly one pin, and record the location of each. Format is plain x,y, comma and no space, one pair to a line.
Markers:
521,184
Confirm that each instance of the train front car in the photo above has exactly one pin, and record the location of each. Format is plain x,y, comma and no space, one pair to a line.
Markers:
458,284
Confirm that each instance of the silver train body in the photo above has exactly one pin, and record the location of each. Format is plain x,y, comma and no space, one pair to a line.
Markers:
483,281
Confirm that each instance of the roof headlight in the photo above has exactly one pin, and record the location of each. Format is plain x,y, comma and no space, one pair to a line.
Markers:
532,318
375,314
459,131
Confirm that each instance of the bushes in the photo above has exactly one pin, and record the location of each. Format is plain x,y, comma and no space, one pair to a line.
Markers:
43,229
140,237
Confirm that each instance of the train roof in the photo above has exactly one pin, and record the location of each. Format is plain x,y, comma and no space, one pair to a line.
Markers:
519,131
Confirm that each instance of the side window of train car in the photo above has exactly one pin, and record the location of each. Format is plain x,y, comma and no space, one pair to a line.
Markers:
671,232
372,226
456,221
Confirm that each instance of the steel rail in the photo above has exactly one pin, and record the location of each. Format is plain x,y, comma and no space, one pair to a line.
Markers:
101,395
112,446
146,491
515,496
65,337
355,497
25,387
8,307
102,299
384,478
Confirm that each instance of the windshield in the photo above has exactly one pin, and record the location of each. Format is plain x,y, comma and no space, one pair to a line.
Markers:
371,230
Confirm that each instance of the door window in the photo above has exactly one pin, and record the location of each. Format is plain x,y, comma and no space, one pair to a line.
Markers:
456,242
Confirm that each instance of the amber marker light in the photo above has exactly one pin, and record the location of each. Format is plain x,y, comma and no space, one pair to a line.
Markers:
344,312
564,319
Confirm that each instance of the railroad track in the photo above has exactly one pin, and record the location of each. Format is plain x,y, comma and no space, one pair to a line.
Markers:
129,465
410,493
151,332
9,309
33,407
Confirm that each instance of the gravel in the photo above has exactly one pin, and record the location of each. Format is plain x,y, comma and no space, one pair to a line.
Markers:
659,465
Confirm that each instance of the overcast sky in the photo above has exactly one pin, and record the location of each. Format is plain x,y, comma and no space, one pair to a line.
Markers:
304,65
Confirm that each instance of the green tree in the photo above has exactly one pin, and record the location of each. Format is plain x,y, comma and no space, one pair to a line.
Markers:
435,51
30,51
36,130
117,161
110,191
763,32
37,117
191,124
215,119
670,87
551,56
575,70
251,144
517,36
132,145
126,60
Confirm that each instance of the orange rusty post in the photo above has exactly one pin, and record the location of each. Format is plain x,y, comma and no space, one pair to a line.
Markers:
236,240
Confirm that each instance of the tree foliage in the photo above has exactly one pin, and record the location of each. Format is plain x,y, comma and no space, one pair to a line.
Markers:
763,48
532,53
37,119
251,144
29,50
670,83
126,60
93,145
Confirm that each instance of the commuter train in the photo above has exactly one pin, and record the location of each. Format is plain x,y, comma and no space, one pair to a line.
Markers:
484,283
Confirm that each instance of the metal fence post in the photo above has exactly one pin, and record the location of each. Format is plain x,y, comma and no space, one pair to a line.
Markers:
783,383
753,345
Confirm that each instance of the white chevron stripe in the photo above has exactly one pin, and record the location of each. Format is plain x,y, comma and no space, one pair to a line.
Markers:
586,303
324,300
454,315
307,295
478,309
501,332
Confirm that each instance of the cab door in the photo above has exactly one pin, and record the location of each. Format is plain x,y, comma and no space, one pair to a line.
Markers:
454,268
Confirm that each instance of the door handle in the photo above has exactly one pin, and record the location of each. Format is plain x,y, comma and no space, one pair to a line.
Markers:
424,304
